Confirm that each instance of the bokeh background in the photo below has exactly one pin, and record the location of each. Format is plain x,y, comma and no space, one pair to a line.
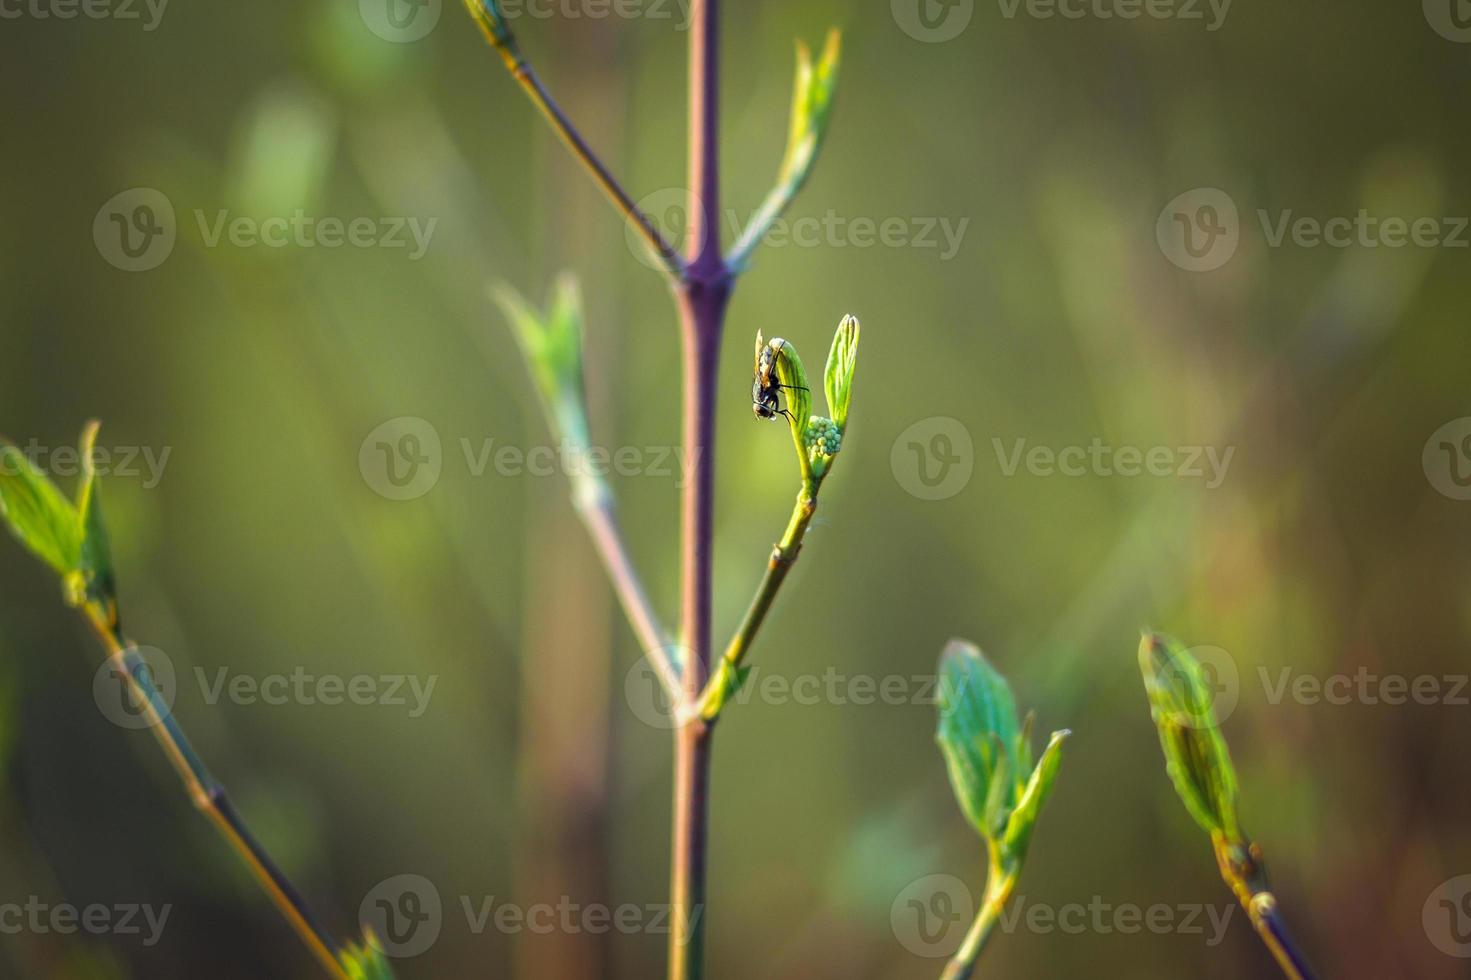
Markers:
1335,541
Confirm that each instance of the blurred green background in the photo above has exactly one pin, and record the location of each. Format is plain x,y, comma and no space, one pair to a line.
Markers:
534,775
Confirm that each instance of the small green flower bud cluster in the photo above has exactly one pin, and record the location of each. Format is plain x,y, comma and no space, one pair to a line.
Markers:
823,439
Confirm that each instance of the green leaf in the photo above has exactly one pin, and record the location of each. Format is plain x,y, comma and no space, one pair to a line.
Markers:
365,962
1019,826
37,513
95,558
551,342
812,103
977,735
1196,756
838,378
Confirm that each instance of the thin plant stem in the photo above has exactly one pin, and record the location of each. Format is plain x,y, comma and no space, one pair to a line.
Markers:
529,81
1242,869
703,298
1000,882
209,796
594,504
783,557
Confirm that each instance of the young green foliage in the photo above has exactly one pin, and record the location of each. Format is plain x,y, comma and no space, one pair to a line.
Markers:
989,754
552,345
817,438
70,537
1196,757
364,961
1199,764
37,513
812,103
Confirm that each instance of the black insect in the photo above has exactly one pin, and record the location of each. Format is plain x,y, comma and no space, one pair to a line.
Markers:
764,387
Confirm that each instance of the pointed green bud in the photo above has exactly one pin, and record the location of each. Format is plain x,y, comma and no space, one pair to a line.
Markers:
552,345
1196,756
837,380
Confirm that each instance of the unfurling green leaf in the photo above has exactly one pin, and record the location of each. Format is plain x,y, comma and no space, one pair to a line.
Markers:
1196,756
1019,826
95,559
978,736
552,346
37,512
812,103
989,755
838,378
365,962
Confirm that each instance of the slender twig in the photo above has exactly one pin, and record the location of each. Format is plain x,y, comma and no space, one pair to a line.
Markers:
783,557
1243,871
1000,883
526,76
209,796
594,504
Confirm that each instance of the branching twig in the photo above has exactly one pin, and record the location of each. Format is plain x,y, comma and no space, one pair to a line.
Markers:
492,23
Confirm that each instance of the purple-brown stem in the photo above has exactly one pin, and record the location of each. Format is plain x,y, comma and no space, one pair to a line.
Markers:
703,297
